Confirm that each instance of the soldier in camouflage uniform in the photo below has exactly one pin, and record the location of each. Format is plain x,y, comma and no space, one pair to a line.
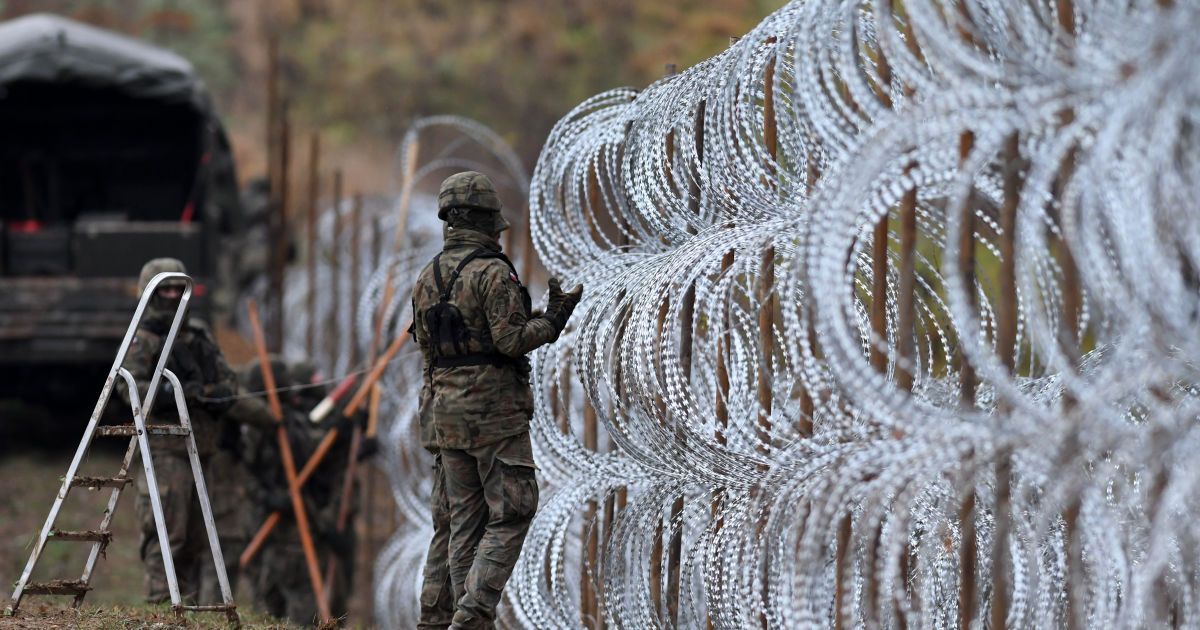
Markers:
473,322
282,586
209,385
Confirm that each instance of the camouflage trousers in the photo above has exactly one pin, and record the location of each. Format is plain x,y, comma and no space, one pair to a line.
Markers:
283,588
437,594
493,495
185,530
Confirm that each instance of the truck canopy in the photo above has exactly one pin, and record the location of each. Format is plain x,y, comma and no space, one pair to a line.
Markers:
96,124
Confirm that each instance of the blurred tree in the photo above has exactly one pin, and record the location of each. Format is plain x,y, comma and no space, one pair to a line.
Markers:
361,70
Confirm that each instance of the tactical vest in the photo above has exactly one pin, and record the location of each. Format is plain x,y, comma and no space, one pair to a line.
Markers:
449,334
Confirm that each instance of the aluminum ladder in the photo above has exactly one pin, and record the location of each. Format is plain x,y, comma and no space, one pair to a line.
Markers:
139,433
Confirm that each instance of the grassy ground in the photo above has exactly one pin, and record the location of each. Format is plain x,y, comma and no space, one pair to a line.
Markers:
29,480
99,617
28,483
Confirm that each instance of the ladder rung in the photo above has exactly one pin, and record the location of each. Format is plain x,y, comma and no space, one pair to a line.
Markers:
56,587
127,430
90,535
95,483
209,608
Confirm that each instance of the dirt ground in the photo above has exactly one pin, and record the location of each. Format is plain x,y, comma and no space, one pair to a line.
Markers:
29,480
94,617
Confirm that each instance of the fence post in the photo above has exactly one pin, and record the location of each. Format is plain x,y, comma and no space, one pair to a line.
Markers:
314,184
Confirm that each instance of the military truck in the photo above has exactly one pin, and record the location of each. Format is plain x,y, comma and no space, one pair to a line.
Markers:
111,155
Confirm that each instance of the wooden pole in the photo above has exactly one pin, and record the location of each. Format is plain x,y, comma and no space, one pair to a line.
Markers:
767,298
355,273
333,330
1006,335
314,190
906,312
289,465
966,514
966,266
279,232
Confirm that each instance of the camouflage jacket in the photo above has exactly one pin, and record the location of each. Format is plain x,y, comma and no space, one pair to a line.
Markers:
195,358
475,405
323,491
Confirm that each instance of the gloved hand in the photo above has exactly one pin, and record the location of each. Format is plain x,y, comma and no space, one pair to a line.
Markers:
218,398
560,304
369,447
340,422
193,393
339,542
184,364
278,500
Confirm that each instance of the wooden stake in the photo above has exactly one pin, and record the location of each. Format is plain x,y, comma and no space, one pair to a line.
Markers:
355,272
333,330
314,189
966,262
906,311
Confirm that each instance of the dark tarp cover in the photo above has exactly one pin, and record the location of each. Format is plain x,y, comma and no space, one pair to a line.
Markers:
53,49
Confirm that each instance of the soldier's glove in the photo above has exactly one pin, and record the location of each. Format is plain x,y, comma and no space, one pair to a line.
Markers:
193,393
339,542
183,364
368,448
279,500
560,305
340,422
218,398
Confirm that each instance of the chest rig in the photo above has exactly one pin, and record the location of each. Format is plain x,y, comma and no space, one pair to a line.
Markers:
449,333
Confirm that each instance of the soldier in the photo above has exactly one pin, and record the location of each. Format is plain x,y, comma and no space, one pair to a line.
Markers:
208,387
473,322
282,584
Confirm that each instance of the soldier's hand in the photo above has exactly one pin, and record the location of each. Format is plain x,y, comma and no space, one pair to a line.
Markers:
368,448
278,500
193,392
561,304
218,398
340,542
183,364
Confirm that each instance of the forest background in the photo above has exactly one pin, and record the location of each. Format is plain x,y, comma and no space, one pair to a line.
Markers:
359,71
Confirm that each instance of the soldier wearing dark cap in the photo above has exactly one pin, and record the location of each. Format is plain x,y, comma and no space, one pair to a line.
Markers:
473,321
209,386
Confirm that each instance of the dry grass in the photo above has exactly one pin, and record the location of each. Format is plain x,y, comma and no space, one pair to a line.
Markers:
142,617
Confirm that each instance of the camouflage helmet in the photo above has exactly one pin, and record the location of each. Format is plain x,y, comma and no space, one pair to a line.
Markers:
467,189
161,265
302,372
252,378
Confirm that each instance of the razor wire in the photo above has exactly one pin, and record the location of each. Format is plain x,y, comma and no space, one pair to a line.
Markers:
744,426
788,439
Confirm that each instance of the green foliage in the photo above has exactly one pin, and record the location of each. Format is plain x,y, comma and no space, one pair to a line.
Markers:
361,70
517,66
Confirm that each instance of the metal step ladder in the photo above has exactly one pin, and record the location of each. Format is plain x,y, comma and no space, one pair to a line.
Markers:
139,433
